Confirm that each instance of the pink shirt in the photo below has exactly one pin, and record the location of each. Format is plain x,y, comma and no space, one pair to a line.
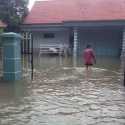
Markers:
88,56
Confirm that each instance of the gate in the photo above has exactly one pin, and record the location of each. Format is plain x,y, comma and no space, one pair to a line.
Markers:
27,54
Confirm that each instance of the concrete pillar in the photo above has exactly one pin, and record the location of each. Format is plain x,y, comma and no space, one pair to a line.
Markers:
123,44
75,33
123,55
75,46
12,56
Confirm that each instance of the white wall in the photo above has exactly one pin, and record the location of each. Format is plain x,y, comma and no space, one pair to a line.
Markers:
61,37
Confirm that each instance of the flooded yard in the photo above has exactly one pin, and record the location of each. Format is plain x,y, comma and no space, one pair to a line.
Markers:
60,94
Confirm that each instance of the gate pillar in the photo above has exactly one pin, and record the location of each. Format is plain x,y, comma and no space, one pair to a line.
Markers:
11,56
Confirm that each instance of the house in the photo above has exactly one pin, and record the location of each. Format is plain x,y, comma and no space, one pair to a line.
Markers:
2,26
74,23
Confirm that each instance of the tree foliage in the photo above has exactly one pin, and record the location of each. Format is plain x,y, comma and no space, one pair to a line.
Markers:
12,12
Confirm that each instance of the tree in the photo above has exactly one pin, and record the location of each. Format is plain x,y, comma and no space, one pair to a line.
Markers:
12,12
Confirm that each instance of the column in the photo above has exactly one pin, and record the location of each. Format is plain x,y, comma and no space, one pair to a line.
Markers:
12,56
75,46
123,51
123,55
123,44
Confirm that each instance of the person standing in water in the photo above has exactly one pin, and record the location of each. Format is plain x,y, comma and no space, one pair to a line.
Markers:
89,58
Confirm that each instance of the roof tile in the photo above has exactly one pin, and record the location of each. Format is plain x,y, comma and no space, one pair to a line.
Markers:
57,11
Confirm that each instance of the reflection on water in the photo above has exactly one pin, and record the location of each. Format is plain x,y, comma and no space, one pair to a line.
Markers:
60,95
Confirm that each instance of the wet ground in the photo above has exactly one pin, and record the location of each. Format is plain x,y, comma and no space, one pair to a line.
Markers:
61,94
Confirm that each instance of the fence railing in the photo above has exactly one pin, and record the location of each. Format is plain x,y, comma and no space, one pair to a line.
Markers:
27,53
53,49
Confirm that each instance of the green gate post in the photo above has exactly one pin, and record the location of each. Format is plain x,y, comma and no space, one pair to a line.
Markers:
12,56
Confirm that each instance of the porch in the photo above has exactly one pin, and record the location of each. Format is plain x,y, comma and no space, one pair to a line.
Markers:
106,38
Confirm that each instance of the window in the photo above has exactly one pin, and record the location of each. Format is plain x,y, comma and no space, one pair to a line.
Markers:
48,35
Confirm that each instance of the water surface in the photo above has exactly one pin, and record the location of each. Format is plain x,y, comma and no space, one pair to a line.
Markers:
60,94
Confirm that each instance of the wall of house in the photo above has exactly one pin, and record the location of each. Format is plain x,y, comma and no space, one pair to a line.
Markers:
61,37
104,42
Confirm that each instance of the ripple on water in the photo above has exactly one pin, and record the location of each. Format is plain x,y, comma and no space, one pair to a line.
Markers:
63,96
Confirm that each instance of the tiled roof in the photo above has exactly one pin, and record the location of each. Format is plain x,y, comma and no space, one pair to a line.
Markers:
57,11
2,24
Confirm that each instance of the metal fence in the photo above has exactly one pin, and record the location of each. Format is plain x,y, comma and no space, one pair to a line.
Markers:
27,54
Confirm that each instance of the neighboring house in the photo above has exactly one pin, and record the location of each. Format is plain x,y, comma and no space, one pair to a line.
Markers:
74,23
2,27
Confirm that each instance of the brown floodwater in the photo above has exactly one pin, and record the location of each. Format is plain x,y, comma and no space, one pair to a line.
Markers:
61,94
